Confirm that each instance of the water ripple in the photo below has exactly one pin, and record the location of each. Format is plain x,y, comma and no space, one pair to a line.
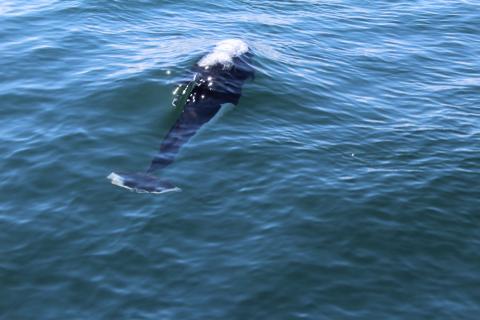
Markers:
344,185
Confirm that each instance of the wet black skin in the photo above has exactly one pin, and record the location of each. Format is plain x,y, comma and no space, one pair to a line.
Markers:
216,85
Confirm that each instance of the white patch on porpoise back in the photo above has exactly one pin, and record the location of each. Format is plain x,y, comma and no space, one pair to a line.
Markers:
224,52
224,108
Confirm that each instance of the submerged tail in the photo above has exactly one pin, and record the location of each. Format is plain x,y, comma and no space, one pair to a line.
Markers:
141,183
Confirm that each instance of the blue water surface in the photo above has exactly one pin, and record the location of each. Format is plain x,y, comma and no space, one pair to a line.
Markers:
345,184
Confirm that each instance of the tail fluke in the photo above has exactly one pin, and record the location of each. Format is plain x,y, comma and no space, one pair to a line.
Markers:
141,183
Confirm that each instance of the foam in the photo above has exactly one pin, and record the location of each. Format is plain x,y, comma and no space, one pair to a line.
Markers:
224,52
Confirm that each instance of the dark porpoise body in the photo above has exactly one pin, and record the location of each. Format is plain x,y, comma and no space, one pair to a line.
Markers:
218,80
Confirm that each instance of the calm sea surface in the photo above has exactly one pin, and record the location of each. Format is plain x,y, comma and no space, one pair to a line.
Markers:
345,185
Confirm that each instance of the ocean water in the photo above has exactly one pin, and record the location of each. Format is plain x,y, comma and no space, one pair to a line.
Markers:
345,184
